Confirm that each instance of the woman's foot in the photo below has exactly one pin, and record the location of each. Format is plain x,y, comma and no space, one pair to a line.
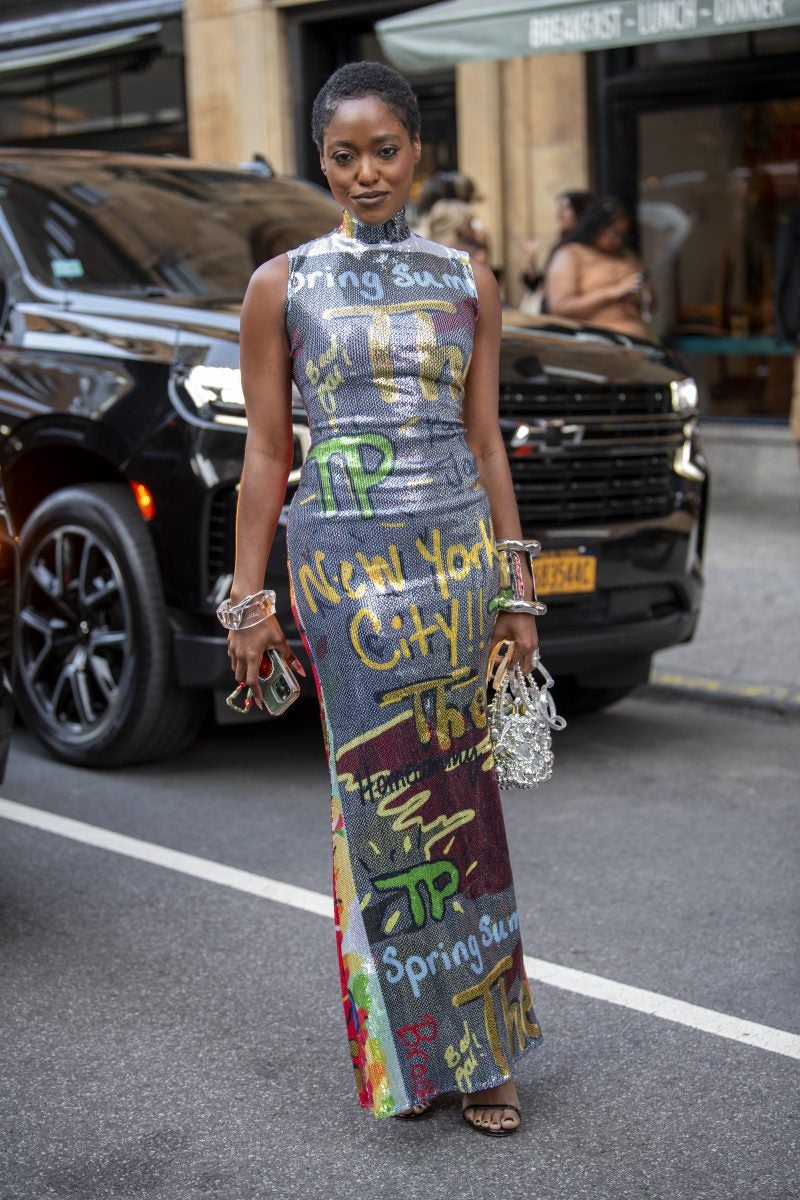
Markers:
494,1111
417,1110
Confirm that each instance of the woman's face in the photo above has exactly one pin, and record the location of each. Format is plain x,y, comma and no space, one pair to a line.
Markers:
369,159
611,240
565,215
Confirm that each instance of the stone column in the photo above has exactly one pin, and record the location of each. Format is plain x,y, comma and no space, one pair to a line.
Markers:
559,133
480,145
523,137
237,82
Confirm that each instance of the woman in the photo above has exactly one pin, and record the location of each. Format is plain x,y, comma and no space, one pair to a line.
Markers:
593,277
570,207
393,566
452,223
443,185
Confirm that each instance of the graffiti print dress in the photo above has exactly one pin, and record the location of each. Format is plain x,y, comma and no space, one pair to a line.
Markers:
392,564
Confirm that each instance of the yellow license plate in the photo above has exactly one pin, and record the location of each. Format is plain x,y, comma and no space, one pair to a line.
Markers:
565,572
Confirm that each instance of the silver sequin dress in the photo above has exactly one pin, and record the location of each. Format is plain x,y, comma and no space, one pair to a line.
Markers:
392,565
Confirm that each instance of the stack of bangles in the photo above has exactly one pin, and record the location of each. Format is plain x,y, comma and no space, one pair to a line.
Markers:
250,611
511,597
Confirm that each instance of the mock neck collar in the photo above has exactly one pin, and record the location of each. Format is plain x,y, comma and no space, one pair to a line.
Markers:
394,230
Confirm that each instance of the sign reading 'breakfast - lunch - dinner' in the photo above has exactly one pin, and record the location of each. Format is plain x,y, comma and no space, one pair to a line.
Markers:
593,26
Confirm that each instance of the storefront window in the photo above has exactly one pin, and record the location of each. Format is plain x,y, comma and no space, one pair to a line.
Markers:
83,102
722,48
708,49
99,101
714,184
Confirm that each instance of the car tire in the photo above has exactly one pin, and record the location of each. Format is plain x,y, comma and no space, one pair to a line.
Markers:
95,664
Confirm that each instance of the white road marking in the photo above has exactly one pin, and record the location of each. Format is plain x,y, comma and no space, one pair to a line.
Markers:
653,1004
174,860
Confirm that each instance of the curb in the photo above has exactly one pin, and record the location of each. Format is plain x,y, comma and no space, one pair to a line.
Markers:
782,701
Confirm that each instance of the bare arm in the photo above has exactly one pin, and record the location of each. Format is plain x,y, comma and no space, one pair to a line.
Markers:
267,383
562,288
481,402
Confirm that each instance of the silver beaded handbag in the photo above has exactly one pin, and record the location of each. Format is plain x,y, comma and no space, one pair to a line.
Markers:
522,715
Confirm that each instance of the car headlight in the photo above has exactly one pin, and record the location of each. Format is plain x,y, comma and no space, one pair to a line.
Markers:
217,394
684,396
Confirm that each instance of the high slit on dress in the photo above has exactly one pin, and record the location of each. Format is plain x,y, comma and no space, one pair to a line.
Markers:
392,565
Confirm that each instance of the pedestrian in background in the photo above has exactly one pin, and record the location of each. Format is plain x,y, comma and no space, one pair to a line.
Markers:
570,207
595,276
393,342
453,223
443,185
787,305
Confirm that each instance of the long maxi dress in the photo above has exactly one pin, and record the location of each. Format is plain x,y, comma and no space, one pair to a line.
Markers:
392,565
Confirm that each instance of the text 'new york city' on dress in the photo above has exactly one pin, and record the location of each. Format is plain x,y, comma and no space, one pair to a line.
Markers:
392,564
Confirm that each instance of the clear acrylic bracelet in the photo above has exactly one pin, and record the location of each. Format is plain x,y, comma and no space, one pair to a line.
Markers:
251,611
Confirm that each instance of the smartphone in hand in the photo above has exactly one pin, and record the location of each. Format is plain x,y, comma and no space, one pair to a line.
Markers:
279,685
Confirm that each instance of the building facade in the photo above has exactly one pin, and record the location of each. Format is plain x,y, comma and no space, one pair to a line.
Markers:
700,136
93,74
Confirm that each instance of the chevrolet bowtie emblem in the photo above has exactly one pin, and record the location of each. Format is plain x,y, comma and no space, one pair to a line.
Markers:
551,436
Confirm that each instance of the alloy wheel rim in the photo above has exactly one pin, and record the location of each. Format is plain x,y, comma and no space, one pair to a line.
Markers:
76,633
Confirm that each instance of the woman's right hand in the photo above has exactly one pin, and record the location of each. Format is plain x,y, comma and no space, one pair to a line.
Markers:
246,648
629,285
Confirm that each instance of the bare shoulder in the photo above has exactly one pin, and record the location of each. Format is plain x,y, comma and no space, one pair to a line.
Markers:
567,255
486,285
266,291
272,276
484,278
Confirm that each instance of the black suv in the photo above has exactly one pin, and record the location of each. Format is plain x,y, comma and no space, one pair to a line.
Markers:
122,429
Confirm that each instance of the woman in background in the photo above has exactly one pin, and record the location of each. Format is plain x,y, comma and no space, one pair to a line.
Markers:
595,277
570,207
453,223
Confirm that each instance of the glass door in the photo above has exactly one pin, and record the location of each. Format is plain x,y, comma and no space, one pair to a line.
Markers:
714,184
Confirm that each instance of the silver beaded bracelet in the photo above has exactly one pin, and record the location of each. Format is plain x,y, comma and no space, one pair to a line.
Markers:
251,611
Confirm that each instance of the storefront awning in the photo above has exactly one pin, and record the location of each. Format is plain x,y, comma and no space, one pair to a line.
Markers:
47,54
24,31
459,30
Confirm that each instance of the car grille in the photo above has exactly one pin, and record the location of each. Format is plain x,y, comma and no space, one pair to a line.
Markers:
221,536
592,453
577,400
221,539
595,453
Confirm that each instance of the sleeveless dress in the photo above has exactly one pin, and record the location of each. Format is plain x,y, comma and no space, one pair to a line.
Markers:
392,565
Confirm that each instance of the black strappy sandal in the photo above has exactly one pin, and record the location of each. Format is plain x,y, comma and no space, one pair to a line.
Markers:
487,1129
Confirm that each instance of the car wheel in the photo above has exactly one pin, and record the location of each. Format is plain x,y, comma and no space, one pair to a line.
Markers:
94,648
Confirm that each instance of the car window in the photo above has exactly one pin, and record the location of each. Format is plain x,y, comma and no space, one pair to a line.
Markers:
61,248
105,227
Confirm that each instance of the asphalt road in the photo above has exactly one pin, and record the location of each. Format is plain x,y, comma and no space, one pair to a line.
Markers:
168,1037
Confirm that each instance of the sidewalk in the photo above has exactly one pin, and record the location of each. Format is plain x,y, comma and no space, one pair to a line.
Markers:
747,646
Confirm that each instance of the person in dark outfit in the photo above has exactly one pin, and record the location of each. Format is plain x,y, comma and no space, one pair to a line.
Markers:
787,305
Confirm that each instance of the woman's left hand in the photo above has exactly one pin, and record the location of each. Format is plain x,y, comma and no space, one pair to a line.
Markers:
520,629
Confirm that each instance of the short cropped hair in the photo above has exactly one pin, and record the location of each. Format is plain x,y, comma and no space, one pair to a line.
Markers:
358,79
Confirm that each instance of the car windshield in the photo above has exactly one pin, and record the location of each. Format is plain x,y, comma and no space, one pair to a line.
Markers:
154,230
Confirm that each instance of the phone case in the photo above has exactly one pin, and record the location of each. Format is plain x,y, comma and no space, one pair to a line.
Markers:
279,686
